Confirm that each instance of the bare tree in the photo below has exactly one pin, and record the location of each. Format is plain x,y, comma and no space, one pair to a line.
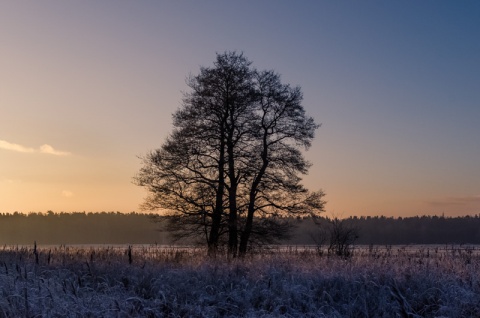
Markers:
339,235
342,237
230,167
273,183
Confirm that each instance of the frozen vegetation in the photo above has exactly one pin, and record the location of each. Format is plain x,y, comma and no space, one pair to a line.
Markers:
171,282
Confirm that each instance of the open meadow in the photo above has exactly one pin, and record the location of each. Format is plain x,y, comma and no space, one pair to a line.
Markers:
155,281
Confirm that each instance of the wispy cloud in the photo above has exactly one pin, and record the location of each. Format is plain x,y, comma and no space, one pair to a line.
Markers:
8,181
47,149
67,194
457,201
14,147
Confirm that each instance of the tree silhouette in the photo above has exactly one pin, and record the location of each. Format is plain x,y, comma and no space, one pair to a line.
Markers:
230,168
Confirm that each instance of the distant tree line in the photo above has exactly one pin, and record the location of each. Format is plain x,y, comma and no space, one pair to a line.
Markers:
79,228
380,230
418,230
138,228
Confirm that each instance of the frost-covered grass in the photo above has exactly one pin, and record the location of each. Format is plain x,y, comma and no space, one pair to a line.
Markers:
101,282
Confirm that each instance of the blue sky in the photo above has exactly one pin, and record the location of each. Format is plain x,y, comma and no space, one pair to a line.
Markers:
393,83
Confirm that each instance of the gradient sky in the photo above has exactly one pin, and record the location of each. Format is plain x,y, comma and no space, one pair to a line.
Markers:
87,86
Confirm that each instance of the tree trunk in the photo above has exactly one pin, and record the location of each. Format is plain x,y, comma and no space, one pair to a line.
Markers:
232,198
253,196
245,237
217,214
232,223
251,208
232,191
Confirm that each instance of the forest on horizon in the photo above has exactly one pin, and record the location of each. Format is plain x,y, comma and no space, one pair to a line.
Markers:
138,228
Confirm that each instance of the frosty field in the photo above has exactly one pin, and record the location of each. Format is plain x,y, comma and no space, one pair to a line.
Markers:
155,281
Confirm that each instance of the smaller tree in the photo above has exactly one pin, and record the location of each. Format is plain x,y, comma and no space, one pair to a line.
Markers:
342,238
339,235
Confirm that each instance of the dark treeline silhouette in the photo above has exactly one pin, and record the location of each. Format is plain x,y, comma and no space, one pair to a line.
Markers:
79,228
381,230
138,228
419,230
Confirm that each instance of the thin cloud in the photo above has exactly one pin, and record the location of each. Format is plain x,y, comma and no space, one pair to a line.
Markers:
50,150
457,201
67,194
15,147
8,181
46,149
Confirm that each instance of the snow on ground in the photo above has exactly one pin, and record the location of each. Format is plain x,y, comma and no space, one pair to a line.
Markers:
159,282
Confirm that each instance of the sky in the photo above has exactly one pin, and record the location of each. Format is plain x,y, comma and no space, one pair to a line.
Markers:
87,87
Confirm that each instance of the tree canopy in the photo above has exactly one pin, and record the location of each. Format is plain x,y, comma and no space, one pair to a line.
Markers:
231,167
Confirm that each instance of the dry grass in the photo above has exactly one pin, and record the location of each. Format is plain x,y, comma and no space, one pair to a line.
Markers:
181,282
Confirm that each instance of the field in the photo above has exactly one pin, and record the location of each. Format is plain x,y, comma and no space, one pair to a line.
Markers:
154,281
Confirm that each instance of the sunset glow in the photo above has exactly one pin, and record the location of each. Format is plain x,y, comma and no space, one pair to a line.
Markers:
88,87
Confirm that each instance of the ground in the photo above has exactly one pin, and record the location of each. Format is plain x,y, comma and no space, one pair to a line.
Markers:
156,281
